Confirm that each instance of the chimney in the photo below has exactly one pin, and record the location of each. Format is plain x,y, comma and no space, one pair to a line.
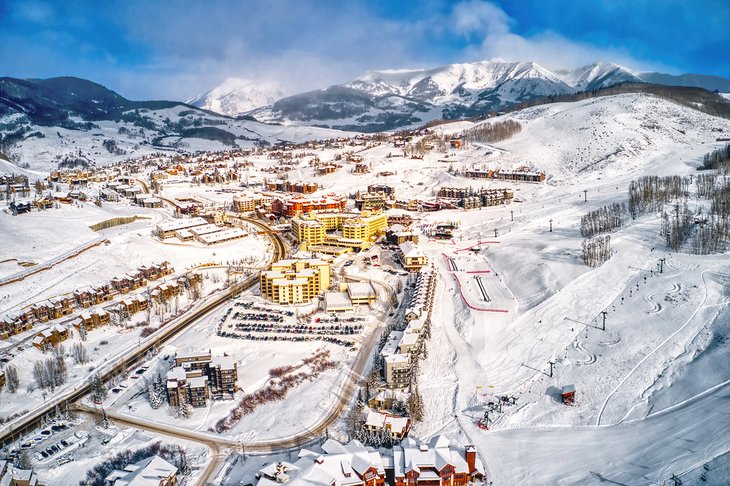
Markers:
471,458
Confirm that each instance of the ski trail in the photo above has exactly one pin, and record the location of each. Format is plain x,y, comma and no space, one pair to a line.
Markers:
641,362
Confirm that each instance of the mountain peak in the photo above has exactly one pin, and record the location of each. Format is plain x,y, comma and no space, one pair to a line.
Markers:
236,96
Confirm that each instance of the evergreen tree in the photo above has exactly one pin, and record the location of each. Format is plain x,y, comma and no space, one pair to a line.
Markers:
104,420
415,405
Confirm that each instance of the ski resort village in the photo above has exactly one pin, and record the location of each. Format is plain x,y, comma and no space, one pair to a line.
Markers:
487,273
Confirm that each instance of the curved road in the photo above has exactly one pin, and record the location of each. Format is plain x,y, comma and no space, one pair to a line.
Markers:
345,394
26,423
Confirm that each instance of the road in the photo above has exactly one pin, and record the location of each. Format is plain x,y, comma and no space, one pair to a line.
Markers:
26,423
219,444
54,261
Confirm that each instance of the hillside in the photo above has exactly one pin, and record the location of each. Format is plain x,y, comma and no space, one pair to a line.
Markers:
236,96
46,122
383,100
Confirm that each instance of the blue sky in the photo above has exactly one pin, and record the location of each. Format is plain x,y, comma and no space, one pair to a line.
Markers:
179,48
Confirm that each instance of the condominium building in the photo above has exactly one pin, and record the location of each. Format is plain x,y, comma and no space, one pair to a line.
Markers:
397,370
357,229
196,375
295,281
223,374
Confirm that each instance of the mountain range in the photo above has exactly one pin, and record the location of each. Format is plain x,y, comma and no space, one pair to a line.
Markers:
46,122
72,121
383,100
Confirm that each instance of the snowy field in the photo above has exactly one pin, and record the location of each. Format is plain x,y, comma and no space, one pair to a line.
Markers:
657,374
652,387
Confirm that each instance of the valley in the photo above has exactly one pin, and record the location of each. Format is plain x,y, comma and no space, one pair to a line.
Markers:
297,289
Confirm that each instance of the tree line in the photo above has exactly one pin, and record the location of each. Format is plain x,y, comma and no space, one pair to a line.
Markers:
602,220
717,160
596,251
492,132
650,193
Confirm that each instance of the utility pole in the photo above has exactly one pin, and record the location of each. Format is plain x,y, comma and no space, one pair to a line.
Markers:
585,195
551,225
604,314
661,264
495,232
551,363
511,215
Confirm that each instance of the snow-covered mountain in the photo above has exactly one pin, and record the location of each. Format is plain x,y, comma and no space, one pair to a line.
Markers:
597,75
46,122
382,100
236,96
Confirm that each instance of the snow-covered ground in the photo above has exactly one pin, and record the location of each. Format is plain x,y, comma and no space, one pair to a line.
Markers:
304,405
651,389
656,379
92,445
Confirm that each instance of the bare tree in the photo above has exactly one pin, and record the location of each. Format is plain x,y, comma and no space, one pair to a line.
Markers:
79,353
11,376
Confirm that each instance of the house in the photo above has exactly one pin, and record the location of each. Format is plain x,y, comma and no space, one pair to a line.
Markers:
92,320
102,293
412,463
122,284
15,324
84,297
156,270
62,306
349,464
152,471
166,291
398,427
132,305
436,463
50,337
42,311
413,259
108,195
14,476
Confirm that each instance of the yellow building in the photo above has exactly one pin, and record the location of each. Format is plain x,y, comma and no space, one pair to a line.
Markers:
295,281
359,229
309,231
412,258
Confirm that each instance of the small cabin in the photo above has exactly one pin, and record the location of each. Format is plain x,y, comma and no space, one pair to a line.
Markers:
568,394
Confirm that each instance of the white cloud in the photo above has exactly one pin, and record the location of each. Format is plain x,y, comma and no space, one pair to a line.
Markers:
490,28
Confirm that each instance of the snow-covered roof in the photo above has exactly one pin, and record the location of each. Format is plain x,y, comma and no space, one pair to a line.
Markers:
360,290
223,362
337,300
396,358
205,229
227,234
177,224
146,472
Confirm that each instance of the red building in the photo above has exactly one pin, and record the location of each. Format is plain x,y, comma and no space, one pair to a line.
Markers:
293,206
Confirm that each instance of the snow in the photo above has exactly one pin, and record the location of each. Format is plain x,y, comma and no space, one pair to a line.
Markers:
651,389
236,96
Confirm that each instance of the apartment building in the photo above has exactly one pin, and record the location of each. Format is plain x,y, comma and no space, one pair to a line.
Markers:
295,281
